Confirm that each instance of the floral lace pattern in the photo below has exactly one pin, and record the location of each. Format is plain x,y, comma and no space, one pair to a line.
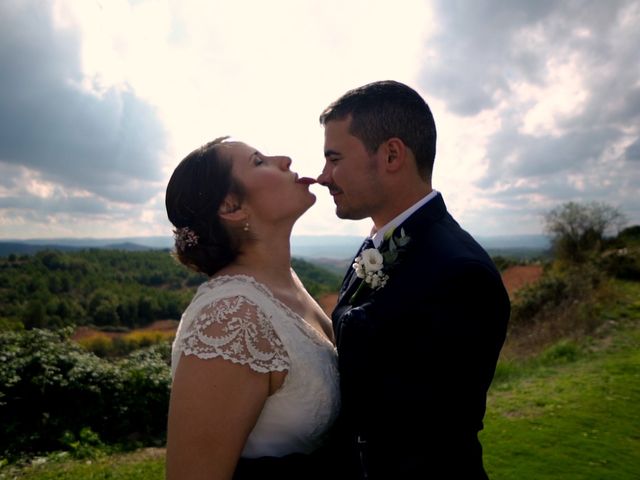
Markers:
235,329
239,319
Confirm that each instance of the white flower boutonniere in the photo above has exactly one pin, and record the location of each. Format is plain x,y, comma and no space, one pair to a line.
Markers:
372,264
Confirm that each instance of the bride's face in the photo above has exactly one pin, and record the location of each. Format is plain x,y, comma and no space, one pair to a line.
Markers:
272,191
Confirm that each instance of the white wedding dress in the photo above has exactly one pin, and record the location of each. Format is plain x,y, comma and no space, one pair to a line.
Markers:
240,320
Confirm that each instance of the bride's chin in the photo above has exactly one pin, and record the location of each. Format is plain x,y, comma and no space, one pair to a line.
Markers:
306,207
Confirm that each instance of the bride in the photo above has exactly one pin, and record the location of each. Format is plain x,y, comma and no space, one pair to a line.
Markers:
253,363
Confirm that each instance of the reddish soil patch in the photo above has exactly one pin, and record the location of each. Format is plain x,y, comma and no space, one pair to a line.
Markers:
162,326
157,326
520,276
85,332
328,303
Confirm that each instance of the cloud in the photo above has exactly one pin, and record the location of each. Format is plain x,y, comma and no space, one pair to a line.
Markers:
561,79
632,152
71,130
537,103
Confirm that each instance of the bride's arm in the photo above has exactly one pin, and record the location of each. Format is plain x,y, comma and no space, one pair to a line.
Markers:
213,408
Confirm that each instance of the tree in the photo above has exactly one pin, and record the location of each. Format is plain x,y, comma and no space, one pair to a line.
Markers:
578,229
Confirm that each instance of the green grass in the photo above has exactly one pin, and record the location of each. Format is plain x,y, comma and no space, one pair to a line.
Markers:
571,413
146,464
579,421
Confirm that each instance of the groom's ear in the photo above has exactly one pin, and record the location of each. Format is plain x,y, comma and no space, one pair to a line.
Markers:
395,152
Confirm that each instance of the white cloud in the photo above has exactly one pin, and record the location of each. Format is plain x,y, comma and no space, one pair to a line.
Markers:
535,102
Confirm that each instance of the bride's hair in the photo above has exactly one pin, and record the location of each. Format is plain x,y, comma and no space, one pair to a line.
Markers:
195,191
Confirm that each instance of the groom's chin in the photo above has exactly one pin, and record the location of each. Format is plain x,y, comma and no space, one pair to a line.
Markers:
348,215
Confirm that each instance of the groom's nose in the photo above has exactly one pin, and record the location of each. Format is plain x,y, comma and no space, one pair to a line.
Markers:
325,176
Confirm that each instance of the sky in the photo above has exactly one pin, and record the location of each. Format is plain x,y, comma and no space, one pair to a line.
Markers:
536,103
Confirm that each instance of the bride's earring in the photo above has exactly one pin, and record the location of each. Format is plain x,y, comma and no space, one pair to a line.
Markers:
246,226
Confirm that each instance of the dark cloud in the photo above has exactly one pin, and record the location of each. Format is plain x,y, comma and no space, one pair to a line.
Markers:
108,144
24,190
516,155
633,151
485,51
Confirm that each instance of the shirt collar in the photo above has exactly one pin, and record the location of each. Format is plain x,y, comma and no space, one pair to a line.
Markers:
378,236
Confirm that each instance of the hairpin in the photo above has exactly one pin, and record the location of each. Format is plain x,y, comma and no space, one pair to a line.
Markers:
185,237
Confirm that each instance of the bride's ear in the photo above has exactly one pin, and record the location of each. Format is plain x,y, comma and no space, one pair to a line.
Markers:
232,210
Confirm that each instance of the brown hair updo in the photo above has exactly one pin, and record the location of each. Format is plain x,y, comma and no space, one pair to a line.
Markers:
196,189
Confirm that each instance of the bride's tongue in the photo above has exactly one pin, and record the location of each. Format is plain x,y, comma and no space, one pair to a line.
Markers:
306,180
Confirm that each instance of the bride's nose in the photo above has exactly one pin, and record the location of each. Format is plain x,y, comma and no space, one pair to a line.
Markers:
285,163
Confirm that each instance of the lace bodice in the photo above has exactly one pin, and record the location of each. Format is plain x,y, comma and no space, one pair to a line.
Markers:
240,320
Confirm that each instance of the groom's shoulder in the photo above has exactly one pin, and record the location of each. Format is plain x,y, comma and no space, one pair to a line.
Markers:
445,241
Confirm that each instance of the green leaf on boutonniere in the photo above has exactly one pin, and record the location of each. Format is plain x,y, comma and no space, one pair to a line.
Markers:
403,239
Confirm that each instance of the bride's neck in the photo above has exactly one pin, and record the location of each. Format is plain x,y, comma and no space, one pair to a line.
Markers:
267,259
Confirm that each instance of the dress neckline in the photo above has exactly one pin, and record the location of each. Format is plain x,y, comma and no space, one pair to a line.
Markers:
312,331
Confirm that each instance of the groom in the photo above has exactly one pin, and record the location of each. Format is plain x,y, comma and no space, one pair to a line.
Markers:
421,319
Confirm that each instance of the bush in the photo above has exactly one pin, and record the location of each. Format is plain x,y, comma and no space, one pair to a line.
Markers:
502,263
623,263
552,291
51,389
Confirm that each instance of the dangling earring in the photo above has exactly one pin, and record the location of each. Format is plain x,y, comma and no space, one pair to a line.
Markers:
246,226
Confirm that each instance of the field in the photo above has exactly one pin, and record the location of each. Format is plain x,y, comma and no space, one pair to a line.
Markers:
574,411
570,413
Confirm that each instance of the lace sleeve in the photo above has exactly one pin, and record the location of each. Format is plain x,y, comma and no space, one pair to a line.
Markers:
237,330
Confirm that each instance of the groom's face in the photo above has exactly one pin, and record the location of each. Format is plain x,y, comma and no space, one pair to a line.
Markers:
350,172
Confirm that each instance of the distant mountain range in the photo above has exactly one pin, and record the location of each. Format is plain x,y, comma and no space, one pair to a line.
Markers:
336,247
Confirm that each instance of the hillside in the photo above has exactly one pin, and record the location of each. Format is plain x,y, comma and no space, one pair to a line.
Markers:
108,288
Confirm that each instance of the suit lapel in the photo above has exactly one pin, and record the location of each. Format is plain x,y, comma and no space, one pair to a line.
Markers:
414,227
351,281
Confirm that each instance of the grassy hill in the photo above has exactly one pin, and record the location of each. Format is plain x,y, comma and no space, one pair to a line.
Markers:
571,412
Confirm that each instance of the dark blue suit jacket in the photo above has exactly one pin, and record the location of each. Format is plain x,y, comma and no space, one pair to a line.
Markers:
416,357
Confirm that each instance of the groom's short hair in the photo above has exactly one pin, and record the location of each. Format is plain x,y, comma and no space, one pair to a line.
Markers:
386,109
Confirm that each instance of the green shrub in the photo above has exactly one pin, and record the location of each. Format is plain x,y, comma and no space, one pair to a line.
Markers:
623,263
86,444
553,291
550,290
51,389
564,351
502,263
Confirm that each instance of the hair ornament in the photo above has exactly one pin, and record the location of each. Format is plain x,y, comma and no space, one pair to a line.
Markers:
185,237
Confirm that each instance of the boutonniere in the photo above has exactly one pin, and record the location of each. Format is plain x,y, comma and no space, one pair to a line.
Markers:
373,265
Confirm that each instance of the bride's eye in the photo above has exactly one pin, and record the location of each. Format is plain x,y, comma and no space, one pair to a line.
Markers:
257,160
